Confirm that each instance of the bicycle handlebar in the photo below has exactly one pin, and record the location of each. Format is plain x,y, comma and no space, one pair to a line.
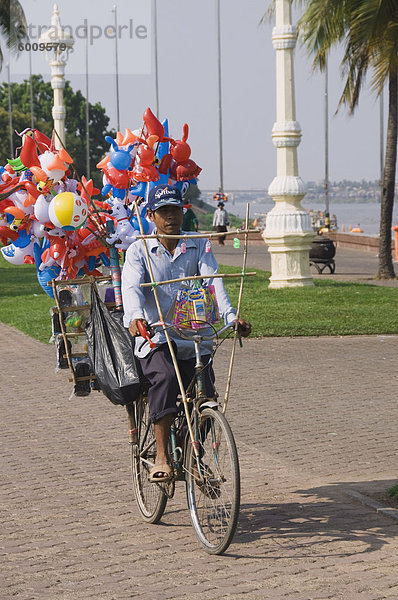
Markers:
145,334
196,333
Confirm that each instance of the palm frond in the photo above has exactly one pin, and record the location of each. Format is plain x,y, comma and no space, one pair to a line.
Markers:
13,25
269,13
355,69
368,31
323,25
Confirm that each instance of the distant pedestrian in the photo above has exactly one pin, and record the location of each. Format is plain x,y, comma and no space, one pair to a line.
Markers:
220,221
189,221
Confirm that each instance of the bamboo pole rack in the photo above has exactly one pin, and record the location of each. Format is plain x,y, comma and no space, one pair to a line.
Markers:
193,277
66,335
154,284
210,234
231,362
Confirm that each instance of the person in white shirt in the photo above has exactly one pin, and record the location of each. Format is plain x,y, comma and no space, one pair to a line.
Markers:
220,221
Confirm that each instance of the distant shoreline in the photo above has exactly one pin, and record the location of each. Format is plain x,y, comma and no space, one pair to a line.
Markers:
340,192
307,198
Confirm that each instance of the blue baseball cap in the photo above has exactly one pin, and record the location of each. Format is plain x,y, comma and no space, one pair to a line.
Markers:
163,195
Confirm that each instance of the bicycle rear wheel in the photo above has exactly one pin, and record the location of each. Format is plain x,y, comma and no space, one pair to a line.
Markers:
151,499
214,499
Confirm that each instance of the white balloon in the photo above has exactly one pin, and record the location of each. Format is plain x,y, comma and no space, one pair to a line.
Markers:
41,208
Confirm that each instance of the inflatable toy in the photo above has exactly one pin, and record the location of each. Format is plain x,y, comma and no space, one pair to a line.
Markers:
68,211
51,219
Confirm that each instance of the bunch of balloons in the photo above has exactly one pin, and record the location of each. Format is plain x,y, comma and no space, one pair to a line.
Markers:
146,157
46,217
220,197
50,218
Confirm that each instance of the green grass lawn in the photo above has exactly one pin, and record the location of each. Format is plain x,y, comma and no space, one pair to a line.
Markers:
328,308
23,303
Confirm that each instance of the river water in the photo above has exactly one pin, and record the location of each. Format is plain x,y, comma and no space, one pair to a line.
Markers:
365,215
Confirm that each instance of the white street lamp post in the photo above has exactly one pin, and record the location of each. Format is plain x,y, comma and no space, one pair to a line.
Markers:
288,230
59,42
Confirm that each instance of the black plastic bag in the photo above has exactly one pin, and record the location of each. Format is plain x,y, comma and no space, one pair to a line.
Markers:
111,352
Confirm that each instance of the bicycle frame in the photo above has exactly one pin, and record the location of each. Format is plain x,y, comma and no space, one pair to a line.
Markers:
191,407
198,382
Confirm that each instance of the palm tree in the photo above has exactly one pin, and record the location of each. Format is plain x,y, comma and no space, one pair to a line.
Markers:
368,29
13,26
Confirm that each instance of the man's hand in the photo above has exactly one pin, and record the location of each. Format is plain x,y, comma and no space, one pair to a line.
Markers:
244,327
133,327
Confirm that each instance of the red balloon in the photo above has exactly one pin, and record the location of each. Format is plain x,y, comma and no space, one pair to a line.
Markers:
153,125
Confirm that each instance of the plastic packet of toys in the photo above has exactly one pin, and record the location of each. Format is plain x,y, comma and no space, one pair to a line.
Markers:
195,307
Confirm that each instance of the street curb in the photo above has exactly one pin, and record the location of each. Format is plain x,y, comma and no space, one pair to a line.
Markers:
376,506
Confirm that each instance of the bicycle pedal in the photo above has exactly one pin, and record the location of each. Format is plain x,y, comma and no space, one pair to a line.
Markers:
168,488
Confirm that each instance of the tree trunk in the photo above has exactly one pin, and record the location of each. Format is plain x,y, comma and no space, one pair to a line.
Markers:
386,267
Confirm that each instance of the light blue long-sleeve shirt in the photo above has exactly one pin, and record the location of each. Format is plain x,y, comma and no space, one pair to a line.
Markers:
139,303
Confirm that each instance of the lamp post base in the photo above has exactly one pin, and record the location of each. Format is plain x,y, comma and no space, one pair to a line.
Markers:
288,234
290,263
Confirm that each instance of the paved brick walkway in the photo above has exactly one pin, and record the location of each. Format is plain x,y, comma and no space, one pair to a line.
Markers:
312,417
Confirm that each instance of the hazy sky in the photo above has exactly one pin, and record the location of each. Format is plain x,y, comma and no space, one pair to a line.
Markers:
188,86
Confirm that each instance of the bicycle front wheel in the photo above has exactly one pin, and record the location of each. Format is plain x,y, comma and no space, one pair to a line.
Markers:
213,495
151,499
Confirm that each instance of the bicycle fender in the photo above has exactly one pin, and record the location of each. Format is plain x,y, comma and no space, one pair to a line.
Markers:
210,404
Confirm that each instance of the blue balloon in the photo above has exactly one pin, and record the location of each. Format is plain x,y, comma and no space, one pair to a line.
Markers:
38,250
139,189
164,146
120,159
45,276
145,225
184,185
22,240
106,189
163,149
105,259
119,193
119,162
91,263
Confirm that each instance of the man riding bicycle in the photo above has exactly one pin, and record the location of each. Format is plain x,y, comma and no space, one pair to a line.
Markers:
170,259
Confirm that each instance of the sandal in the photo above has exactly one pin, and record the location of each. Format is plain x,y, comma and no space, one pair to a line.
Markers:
160,473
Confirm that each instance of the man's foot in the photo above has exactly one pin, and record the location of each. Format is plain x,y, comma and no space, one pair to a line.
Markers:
160,473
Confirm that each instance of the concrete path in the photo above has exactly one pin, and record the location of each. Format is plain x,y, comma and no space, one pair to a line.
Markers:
313,417
351,265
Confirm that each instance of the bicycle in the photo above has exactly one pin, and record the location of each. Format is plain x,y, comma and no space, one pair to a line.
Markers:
205,458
